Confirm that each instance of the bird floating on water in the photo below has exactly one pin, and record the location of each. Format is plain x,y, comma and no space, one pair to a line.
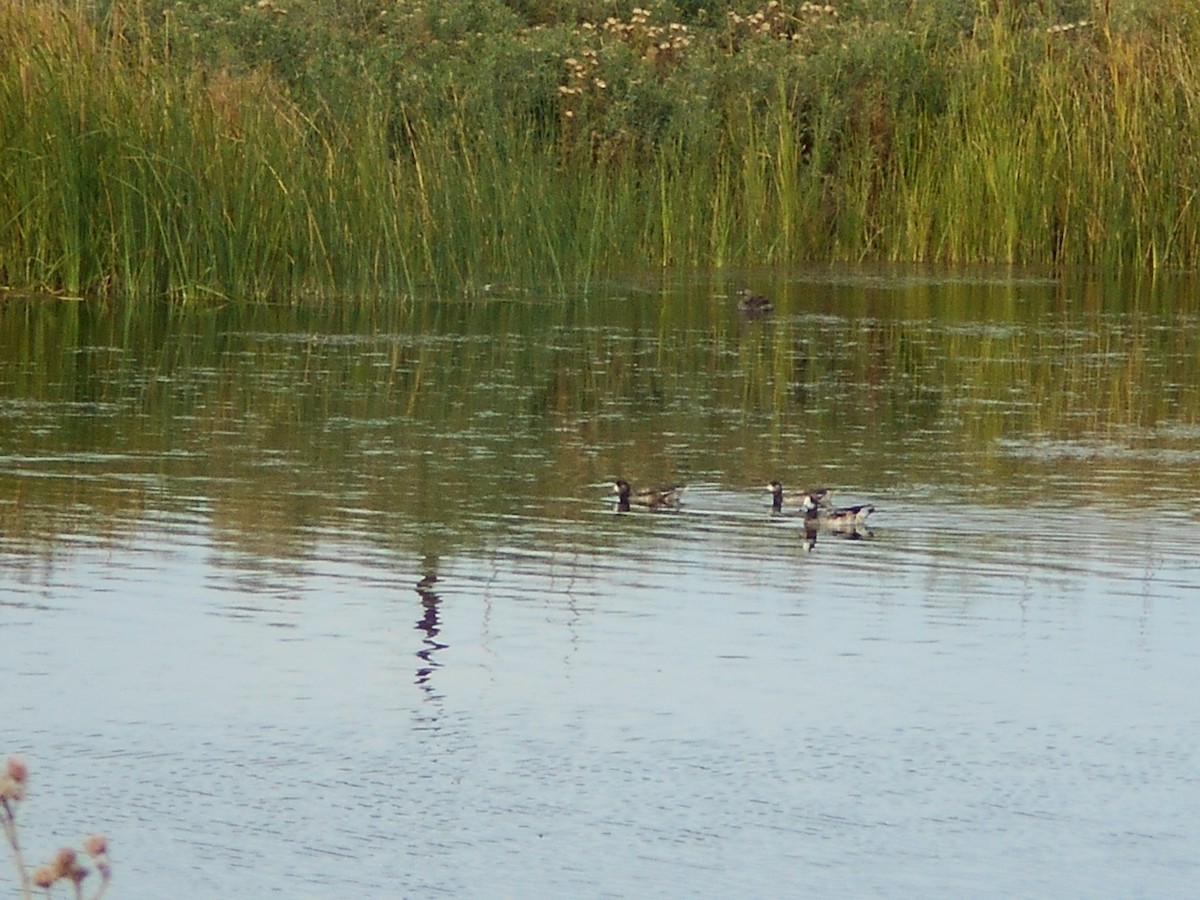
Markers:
844,519
779,497
753,304
650,497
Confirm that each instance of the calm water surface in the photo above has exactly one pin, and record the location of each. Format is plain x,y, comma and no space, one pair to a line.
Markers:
333,601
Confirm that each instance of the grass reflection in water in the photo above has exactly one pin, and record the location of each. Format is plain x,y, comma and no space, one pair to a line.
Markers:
434,422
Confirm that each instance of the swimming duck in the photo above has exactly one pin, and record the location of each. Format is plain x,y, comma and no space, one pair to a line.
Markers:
778,497
753,304
653,498
844,518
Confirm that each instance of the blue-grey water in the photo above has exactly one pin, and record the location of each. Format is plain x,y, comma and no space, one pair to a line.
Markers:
334,605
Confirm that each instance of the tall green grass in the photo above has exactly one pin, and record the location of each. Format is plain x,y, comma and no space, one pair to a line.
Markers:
1084,150
128,169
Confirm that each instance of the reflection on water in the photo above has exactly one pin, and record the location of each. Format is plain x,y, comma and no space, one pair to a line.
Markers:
429,624
335,600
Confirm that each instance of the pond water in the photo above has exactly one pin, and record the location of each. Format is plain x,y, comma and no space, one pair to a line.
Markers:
333,600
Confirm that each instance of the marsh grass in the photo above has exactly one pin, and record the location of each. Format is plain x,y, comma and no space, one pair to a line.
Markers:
1058,150
132,168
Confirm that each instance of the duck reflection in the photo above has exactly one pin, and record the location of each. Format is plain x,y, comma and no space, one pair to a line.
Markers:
813,528
430,623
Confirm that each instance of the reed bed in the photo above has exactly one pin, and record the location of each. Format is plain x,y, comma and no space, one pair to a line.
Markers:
134,163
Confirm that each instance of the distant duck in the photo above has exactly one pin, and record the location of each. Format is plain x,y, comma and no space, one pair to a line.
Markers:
753,304
844,518
652,498
779,498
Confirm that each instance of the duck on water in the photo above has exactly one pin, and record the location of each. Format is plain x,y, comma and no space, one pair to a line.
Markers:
649,497
796,498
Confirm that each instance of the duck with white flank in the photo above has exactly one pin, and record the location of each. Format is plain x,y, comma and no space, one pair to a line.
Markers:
651,498
847,519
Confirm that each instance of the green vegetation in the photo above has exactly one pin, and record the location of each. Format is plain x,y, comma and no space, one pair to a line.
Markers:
281,147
